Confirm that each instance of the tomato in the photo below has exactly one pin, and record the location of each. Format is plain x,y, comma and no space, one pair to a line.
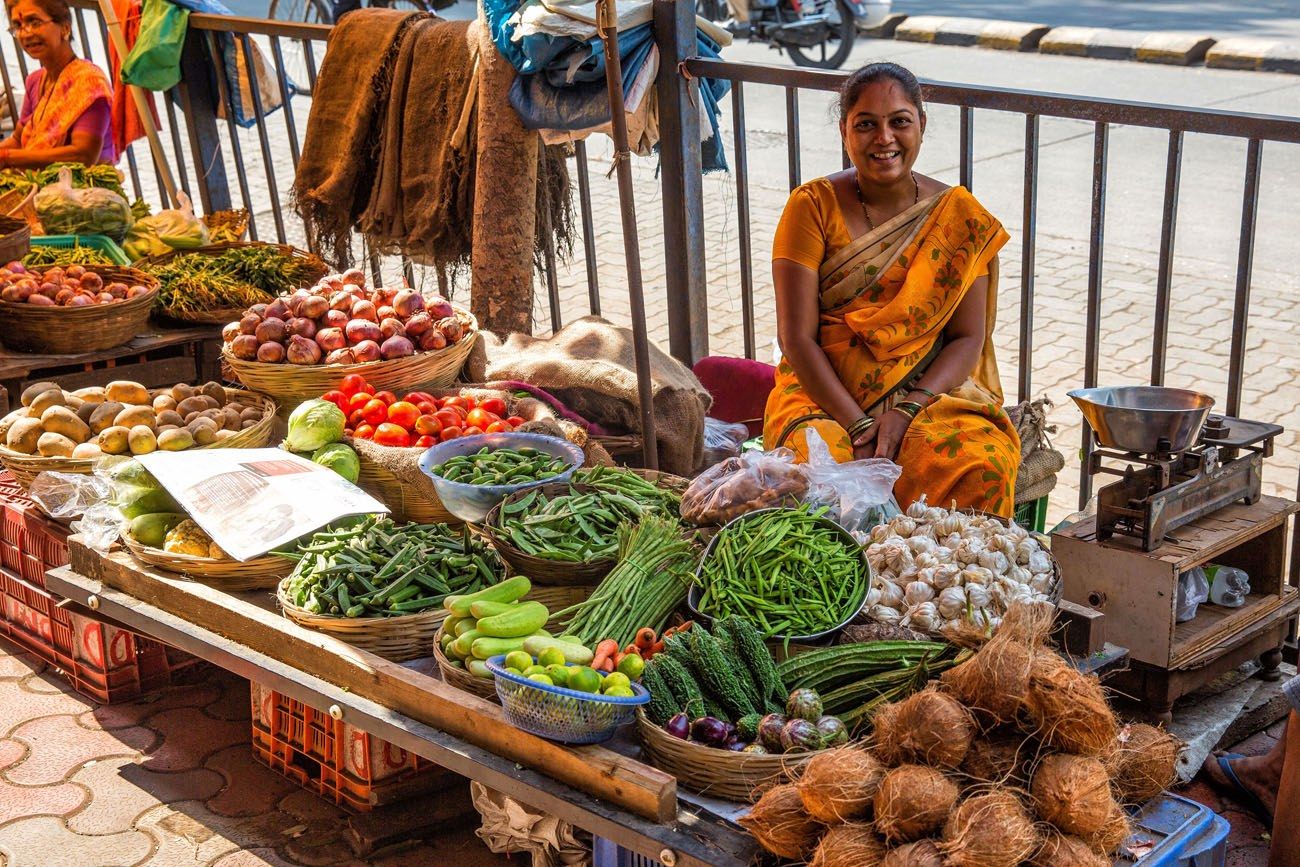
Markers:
357,401
428,425
426,407
355,383
387,397
389,434
354,419
347,431
480,418
448,418
458,400
424,442
499,427
471,431
337,398
494,405
364,432
375,412
449,433
416,397
404,414
514,421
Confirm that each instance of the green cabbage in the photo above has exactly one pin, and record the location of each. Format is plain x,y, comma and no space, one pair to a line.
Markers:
339,458
66,210
313,424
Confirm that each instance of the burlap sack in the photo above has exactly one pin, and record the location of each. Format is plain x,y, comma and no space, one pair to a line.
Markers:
1039,462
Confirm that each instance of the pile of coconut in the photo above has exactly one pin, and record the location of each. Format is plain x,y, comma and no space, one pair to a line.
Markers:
1013,758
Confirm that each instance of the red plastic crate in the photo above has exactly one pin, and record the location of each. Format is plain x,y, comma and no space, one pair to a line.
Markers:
30,542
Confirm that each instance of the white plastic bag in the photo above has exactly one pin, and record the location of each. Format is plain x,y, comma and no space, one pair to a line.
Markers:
1229,586
65,496
722,440
754,480
1193,589
858,494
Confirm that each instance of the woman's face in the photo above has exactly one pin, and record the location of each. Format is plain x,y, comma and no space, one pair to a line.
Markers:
40,36
882,132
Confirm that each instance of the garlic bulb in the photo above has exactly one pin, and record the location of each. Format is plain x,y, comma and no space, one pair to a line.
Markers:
1017,532
917,509
903,526
952,541
873,597
899,558
934,513
880,533
945,576
1042,582
951,523
891,594
877,558
924,617
921,544
976,575
917,592
968,551
1025,549
994,561
1040,562
881,614
1020,574
943,554
925,561
977,596
952,602
1007,545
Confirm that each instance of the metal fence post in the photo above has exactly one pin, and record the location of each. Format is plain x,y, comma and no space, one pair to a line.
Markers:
199,103
682,184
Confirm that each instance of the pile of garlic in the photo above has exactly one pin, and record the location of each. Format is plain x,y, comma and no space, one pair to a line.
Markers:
934,568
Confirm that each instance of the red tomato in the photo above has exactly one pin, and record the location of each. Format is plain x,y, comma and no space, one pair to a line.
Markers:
347,431
354,383
337,398
514,421
387,397
471,431
375,411
424,442
499,427
364,432
480,418
389,434
494,405
355,419
426,407
449,433
356,401
458,400
416,396
428,425
448,418
404,414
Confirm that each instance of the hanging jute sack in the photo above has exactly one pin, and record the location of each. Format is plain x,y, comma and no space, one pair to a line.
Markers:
1039,462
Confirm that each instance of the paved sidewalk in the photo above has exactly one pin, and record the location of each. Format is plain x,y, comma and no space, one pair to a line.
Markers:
167,780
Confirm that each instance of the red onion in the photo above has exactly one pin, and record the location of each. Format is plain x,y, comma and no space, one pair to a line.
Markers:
407,303
354,276
432,340
330,339
247,323
314,307
396,347
438,307
366,350
335,319
391,327
244,346
303,327
79,301
303,351
342,300
418,324
270,353
365,310
385,312
271,330
259,309
450,328
341,356
40,300
90,280
358,330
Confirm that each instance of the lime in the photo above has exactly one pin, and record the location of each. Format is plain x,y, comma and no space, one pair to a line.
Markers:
620,692
534,669
517,671
518,660
632,665
541,678
613,679
584,679
551,656
559,674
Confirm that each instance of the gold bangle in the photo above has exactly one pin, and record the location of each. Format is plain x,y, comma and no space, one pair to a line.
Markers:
925,391
860,427
908,408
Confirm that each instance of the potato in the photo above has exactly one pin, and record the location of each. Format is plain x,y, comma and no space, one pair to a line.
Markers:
237,406
253,413
141,439
127,392
72,402
232,419
214,391
86,451
104,414
225,434
177,440
163,428
86,410
94,394
197,403
114,440
134,416
61,420
217,415
163,402
45,400
245,425
170,417
8,422
30,392
53,445
182,391
204,435
24,435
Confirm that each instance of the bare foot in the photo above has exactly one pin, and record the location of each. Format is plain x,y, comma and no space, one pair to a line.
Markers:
1256,773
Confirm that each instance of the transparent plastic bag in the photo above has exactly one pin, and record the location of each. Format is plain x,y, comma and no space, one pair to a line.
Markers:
1193,589
1229,586
722,440
754,480
858,495
86,497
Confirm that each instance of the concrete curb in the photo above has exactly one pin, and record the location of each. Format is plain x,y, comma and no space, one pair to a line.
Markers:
986,33
1180,49
1259,54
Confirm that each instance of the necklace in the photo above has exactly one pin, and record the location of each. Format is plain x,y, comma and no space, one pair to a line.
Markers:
871,224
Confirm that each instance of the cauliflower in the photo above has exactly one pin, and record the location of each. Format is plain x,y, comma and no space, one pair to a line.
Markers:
187,537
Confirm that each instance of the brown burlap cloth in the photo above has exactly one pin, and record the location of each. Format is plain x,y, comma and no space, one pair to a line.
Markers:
589,366
1039,462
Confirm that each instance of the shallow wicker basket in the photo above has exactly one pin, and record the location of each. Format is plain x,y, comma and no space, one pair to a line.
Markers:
66,330
398,638
554,573
260,573
15,238
462,679
715,772
291,384
25,468
221,316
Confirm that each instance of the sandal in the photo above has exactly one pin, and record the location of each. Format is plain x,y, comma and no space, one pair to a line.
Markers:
1242,795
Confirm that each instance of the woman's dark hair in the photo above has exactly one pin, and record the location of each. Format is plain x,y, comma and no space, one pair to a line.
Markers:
57,10
870,74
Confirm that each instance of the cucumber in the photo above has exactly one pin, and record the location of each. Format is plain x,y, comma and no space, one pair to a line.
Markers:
478,668
572,639
486,647
483,608
573,652
463,625
521,621
449,624
461,646
446,641
509,590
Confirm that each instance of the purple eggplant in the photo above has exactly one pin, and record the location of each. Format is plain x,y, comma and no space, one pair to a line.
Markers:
679,726
804,704
800,736
709,730
736,745
833,731
769,731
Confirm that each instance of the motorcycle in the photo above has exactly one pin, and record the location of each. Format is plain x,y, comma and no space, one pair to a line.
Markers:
816,33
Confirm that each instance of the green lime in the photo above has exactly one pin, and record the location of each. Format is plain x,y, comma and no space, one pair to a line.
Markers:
518,660
632,665
551,656
541,678
620,692
584,679
559,674
613,679
534,669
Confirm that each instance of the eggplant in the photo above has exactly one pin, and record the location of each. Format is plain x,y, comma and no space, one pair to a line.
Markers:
769,731
679,726
736,745
832,731
804,704
709,730
800,736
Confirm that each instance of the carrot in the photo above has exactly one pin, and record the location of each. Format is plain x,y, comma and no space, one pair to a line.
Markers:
608,665
645,638
605,650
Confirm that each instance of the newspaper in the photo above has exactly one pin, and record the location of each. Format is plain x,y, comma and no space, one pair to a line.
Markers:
251,501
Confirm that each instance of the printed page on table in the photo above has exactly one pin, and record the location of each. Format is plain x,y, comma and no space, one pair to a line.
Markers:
251,501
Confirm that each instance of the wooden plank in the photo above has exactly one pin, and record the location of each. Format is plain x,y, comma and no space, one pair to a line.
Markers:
1081,630
1214,626
17,365
636,787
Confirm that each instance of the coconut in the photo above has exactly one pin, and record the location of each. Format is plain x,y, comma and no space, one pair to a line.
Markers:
1113,833
930,728
780,824
999,757
1062,850
839,785
989,830
923,853
1143,762
1073,793
912,801
1068,708
851,845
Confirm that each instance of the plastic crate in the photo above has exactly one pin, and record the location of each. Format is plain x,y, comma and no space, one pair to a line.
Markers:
607,853
30,542
1185,834
1032,515
100,243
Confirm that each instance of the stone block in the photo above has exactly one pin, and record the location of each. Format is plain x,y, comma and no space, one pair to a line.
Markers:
1012,35
1178,49
920,28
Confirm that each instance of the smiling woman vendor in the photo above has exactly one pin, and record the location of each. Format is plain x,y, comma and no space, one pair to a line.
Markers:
886,291
67,110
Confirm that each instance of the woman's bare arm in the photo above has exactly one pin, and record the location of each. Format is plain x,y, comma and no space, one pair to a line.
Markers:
85,149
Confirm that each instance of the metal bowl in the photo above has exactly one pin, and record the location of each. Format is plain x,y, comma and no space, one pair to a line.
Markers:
473,502
1147,419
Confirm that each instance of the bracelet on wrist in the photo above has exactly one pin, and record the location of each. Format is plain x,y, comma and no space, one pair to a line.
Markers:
860,427
930,395
908,408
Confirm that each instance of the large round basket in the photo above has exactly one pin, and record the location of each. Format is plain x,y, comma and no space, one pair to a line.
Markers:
260,573
541,570
15,238
291,384
462,679
25,468
67,330
716,772
314,269
398,638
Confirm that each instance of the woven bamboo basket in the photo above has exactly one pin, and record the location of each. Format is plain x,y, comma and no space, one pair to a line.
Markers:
20,202
667,481
716,772
398,638
221,316
557,599
552,573
460,678
15,238
291,384
260,573
66,330
26,468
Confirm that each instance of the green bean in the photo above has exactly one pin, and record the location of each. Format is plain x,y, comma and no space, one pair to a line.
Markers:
503,466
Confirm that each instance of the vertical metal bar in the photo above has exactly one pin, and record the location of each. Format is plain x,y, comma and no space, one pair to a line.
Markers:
548,253
10,102
966,147
291,123
199,101
22,61
309,54
408,272
588,228
254,93
228,101
176,142
1028,256
85,34
1092,336
1245,263
742,218
376,272
792,135
1165,272
133,169
1295,544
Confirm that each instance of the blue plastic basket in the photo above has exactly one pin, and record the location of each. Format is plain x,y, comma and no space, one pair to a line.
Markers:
560,714
99,243
1185,833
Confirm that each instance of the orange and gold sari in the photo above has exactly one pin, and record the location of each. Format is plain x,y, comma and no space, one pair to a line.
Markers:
885,300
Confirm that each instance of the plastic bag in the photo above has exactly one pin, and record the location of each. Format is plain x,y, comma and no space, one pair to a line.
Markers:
154,62
65,210
1193,589
175,229
1229,586
722,440
754,480
857,494
65,496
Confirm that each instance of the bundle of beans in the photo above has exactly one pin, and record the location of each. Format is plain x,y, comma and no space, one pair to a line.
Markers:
1013,758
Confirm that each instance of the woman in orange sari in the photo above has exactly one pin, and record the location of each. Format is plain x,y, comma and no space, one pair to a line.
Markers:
886,293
